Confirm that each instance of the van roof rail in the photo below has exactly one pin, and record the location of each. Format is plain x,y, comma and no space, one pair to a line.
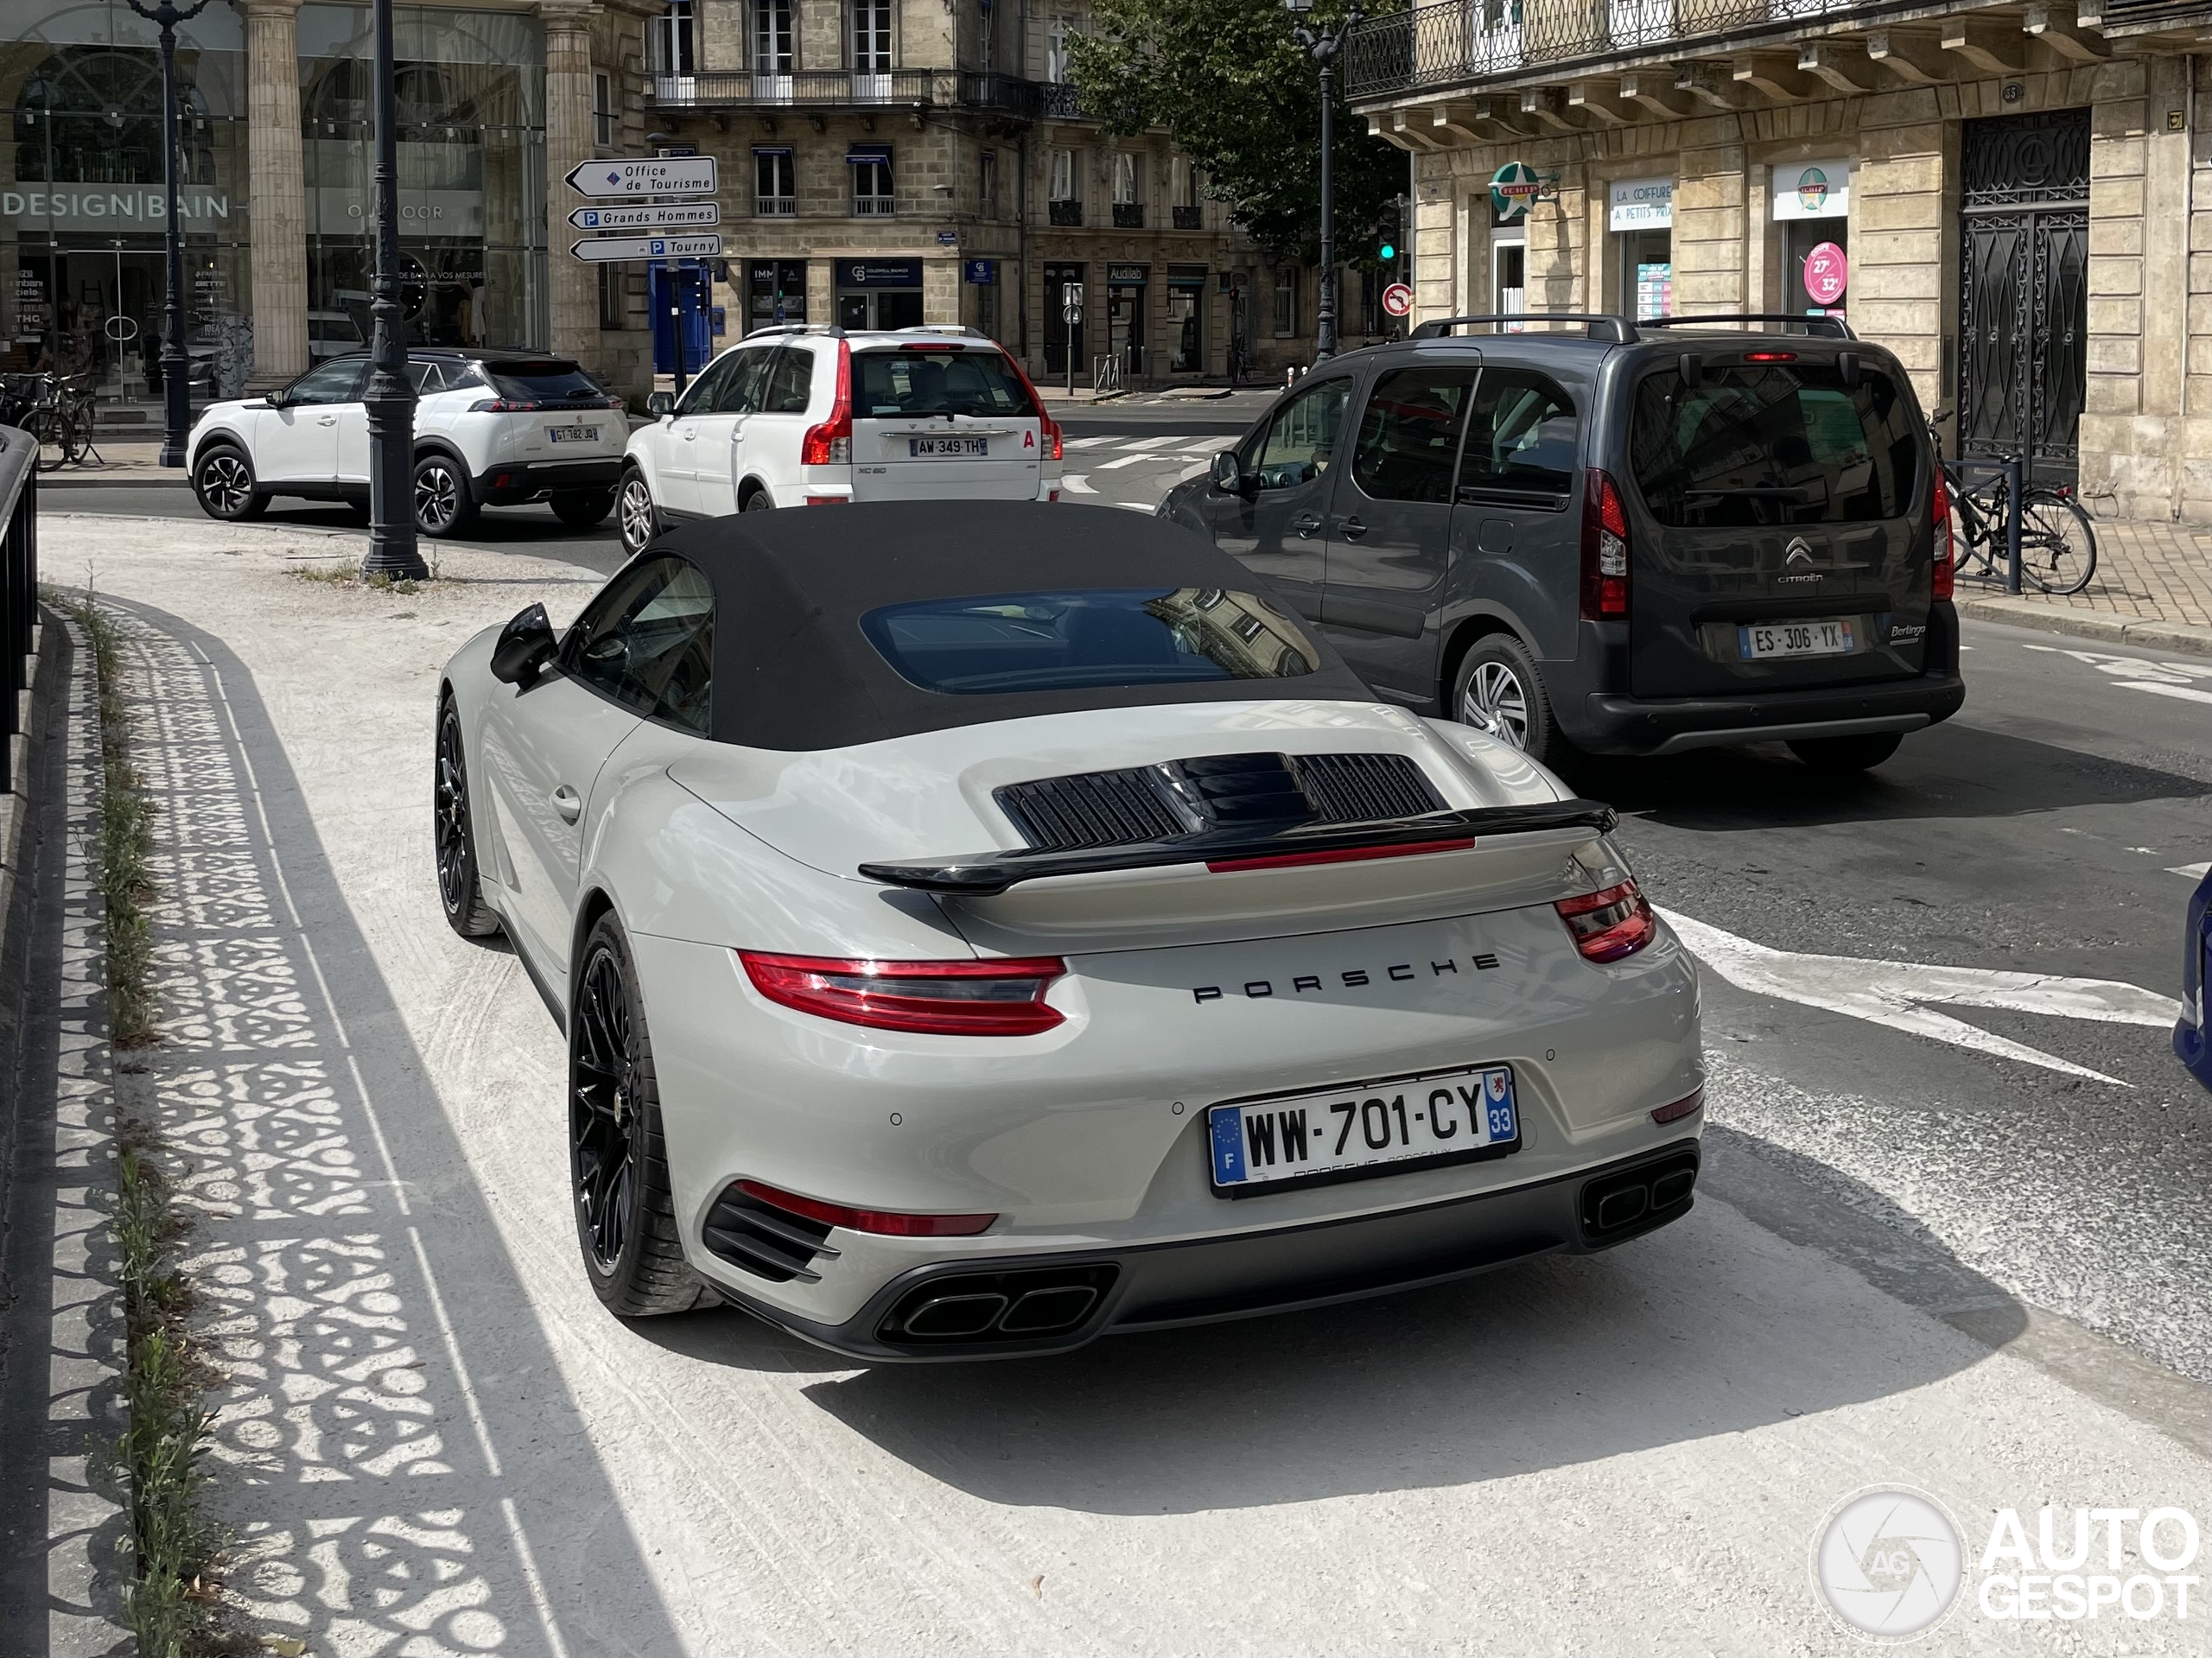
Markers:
1833,328
1602,326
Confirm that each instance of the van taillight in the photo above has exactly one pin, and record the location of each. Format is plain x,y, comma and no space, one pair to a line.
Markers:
830,444
1605,550
1942,571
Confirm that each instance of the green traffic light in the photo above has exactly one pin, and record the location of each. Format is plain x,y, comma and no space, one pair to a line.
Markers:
1388,252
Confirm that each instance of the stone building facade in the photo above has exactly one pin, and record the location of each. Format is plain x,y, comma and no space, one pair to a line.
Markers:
2010,198
496,101
884,163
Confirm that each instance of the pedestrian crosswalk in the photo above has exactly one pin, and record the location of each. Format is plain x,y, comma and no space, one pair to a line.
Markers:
1110,453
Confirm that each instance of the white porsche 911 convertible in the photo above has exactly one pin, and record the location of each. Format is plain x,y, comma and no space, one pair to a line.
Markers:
985,926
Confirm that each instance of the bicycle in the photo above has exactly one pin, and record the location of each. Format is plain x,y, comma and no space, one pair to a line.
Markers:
2058,540
59,412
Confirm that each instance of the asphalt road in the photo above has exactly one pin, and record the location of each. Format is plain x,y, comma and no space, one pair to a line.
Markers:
1956,1226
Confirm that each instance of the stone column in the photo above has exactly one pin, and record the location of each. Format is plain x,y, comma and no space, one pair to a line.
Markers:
573,286
278,187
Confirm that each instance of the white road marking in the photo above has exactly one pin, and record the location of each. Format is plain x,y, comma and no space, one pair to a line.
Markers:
1133,506
1120,462
1893,993
1155,443
2191,871
1076,483
1087,443
2165,688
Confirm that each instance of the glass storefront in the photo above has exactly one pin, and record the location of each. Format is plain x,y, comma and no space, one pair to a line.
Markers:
82,212
471,91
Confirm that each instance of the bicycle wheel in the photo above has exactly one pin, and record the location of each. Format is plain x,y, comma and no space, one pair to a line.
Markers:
77,435
2058,544
45,425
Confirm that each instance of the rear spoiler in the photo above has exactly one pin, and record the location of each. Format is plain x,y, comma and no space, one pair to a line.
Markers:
986,875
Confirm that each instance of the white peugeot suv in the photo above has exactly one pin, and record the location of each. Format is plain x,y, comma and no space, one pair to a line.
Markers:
816,416
492,428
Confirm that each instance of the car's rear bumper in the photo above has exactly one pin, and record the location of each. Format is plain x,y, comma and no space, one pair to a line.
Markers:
1249,1275
1604,721
514,482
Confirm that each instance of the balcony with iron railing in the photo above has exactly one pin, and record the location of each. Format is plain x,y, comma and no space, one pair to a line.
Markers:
1842,47
828,89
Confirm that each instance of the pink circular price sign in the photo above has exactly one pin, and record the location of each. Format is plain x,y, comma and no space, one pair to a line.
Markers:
1827,273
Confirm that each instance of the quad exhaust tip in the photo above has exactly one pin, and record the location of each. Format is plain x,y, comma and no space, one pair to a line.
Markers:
1618,1206
982,1309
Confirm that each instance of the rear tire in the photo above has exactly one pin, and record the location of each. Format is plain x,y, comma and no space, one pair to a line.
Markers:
579,509
445,503
1499,691
224,484
1842,754
2058,542
759,501
635,516
618,1161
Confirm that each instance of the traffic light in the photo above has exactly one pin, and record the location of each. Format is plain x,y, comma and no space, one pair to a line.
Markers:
1388,253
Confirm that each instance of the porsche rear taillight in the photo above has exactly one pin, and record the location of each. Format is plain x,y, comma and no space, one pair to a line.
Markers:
830,444
1605,550
1942,571
1003,997
1609,926
887,1223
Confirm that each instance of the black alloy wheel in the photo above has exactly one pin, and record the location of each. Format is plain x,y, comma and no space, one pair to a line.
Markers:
618,1163
223,482
635,516
460,895
579,509
444,503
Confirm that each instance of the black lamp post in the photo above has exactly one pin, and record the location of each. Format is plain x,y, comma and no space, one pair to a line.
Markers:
1323,45
391,399
176,367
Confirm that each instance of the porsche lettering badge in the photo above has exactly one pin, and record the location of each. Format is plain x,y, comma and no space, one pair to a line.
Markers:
1351,978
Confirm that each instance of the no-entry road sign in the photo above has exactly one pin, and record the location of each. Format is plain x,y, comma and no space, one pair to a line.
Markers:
659,216
606,250
662,175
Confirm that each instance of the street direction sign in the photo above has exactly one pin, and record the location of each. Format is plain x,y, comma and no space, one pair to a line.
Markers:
606,249
662,175
657,216
1397,299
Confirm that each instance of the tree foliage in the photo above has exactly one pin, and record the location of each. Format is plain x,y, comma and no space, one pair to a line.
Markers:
1242,98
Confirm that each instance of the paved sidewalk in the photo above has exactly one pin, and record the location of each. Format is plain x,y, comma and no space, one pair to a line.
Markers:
2153,588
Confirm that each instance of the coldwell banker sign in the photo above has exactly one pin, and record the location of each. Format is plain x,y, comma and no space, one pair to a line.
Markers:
92,207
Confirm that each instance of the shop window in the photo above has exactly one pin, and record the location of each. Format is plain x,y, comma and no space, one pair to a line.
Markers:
671,40
872,37
872,190
771,38
1285,318
613,303
775,184
602,111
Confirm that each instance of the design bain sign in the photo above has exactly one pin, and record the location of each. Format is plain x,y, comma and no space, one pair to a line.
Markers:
107,209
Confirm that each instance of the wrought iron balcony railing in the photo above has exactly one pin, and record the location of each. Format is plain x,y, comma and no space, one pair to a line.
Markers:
850,89
1190,219
1129,215
1065,213
1462,42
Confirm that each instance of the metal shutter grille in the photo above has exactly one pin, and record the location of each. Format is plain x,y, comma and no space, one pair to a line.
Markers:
1092,808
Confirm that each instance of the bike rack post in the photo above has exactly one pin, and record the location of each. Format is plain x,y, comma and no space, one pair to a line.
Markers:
2015,482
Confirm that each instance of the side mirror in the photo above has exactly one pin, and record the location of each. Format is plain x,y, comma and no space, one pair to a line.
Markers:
276,399
525,645
660,404
1229,473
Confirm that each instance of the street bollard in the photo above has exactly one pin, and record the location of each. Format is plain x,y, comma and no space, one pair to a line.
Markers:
2015,482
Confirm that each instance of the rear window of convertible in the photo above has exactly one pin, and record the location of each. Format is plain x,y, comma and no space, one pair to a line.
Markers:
1078,640
1773,445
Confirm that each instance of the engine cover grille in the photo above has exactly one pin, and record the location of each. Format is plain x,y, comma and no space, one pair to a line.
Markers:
1215,791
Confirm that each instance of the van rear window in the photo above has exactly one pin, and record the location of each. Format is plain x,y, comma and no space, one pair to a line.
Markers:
935,380
1773,445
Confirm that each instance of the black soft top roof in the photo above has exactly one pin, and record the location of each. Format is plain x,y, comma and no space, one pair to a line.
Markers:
793,671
